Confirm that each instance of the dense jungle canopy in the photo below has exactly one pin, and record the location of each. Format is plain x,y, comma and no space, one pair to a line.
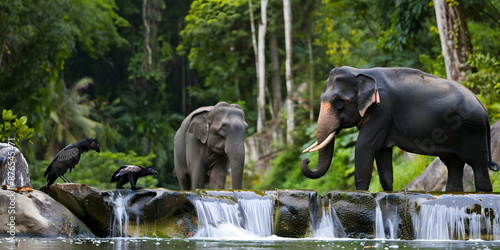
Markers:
128,72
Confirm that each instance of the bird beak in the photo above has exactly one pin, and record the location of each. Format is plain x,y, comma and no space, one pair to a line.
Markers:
156,172
97,149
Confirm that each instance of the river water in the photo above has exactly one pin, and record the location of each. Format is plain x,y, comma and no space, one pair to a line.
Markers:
271,242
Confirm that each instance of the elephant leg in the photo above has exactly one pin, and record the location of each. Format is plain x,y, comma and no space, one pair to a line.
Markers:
198,176
455,168
481,175
184,181
384,166
364,157
218,175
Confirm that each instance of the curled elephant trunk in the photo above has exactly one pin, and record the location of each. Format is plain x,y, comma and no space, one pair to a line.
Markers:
324,161
328,123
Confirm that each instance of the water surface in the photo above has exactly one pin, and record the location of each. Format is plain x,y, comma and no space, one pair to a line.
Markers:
272,242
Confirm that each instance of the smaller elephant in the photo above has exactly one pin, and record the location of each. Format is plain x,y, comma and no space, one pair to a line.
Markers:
208,141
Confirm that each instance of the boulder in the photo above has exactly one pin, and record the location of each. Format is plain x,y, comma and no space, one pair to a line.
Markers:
35,214
291,212
125,212
87,203
356,212
14,171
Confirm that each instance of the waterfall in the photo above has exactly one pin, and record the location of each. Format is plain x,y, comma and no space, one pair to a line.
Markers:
458,221
222,218
120,214
379,223
324,220
121,210
386,223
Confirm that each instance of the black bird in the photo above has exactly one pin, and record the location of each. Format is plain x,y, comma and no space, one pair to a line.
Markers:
67,158
130,173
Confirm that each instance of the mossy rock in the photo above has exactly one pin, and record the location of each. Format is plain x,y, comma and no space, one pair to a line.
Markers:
356,212
292,213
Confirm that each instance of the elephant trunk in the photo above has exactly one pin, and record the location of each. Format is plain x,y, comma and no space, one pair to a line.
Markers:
328,124
235,149
324,160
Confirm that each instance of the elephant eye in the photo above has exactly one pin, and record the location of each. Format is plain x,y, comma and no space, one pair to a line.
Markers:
339,104
223,131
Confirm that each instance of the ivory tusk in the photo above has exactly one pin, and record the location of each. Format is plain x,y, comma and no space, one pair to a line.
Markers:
324,143
309,148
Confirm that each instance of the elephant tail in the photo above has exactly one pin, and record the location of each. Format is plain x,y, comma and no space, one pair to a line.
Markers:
492,165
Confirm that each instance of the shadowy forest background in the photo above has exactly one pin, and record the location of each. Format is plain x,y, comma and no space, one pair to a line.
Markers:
128,72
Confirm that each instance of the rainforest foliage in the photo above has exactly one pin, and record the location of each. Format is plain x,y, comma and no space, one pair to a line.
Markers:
128,72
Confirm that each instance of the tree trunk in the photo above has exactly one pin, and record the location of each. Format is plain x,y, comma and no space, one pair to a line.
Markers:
455,40
311,78
261,94
254,41
290,122
147,49
276,79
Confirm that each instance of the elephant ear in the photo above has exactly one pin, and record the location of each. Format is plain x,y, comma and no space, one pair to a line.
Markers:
199,124
367,92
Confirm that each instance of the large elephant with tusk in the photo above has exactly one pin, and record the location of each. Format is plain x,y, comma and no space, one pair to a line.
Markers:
416,111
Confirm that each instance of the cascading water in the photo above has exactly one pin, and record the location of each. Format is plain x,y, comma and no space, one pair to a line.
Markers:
324,222
379,223
244,215
120,215
386,223
451,220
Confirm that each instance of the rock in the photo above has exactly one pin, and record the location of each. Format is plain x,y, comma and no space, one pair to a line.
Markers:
399,207
356,212
87,203
13,173
149,212
167,214
292,215
38,215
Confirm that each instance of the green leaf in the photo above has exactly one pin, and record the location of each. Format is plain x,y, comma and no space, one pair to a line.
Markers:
22,129
24,119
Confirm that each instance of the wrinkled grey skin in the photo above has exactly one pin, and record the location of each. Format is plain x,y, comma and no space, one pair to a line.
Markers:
210,140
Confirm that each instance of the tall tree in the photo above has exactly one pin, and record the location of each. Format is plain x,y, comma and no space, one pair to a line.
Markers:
275,102
261,94
290,119
254,41
454,36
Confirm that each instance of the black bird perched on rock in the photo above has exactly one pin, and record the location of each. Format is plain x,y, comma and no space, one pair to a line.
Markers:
130,173
67,158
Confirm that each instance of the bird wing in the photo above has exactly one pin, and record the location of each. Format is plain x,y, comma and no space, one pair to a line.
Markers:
69,158
124,170
64,160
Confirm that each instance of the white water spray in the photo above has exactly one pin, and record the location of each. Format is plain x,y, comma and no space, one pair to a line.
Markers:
120,216
458,221
245,219
329,225
379,223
